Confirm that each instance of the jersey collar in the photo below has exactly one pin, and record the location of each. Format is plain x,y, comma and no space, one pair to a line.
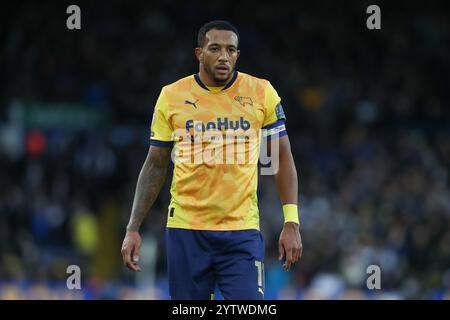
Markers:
229,84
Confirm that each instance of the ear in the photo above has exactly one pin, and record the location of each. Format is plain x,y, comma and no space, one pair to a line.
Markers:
238,54
199,54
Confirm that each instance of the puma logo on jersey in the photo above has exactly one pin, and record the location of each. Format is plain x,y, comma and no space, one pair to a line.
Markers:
244,100
193,103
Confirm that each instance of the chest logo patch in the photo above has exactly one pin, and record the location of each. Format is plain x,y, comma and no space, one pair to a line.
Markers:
244,100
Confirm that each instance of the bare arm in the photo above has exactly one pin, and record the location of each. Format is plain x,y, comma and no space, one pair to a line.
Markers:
286,177
290,243
150,181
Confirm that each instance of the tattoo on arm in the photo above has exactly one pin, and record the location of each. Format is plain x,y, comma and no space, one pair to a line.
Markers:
150,182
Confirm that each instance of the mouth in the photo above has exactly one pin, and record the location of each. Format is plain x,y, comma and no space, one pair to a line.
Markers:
222,69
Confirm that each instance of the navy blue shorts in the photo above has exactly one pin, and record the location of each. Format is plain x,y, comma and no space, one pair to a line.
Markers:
198,261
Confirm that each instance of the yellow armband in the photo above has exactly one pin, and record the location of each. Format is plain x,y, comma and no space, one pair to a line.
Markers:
290,212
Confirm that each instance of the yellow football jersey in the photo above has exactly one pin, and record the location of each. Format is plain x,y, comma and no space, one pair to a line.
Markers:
218,193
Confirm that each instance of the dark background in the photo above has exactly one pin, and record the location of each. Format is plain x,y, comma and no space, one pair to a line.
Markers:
368,119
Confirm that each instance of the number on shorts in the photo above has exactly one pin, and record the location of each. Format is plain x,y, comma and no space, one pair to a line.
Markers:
260,266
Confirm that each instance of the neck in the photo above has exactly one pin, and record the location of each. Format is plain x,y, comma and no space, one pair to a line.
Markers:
210,82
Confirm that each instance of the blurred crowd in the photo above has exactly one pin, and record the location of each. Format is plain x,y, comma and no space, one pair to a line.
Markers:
368,120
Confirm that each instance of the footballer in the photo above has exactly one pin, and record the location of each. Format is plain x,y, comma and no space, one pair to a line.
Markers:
213,236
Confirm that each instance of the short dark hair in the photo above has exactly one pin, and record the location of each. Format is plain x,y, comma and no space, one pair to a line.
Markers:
216,24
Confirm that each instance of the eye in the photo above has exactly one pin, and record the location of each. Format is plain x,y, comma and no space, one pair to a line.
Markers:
214,49
232,50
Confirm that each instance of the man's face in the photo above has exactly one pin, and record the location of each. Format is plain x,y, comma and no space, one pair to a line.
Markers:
219,54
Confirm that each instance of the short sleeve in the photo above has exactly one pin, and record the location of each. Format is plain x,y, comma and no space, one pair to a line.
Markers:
161,131
274,120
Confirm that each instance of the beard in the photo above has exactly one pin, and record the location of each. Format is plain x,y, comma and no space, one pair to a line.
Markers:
221,80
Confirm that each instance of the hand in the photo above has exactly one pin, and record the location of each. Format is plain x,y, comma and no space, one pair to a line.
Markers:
130,250
290,244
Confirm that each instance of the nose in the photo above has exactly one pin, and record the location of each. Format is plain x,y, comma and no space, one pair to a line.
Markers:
223,55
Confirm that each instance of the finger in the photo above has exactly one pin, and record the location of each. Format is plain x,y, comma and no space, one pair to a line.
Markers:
134,257
294,255
289,254
133,266
137,267
300,251
280,251
126,256
287,265
135,254
297,253
289,260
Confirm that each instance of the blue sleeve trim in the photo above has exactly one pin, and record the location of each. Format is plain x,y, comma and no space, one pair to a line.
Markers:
159,143
274,125
277,135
